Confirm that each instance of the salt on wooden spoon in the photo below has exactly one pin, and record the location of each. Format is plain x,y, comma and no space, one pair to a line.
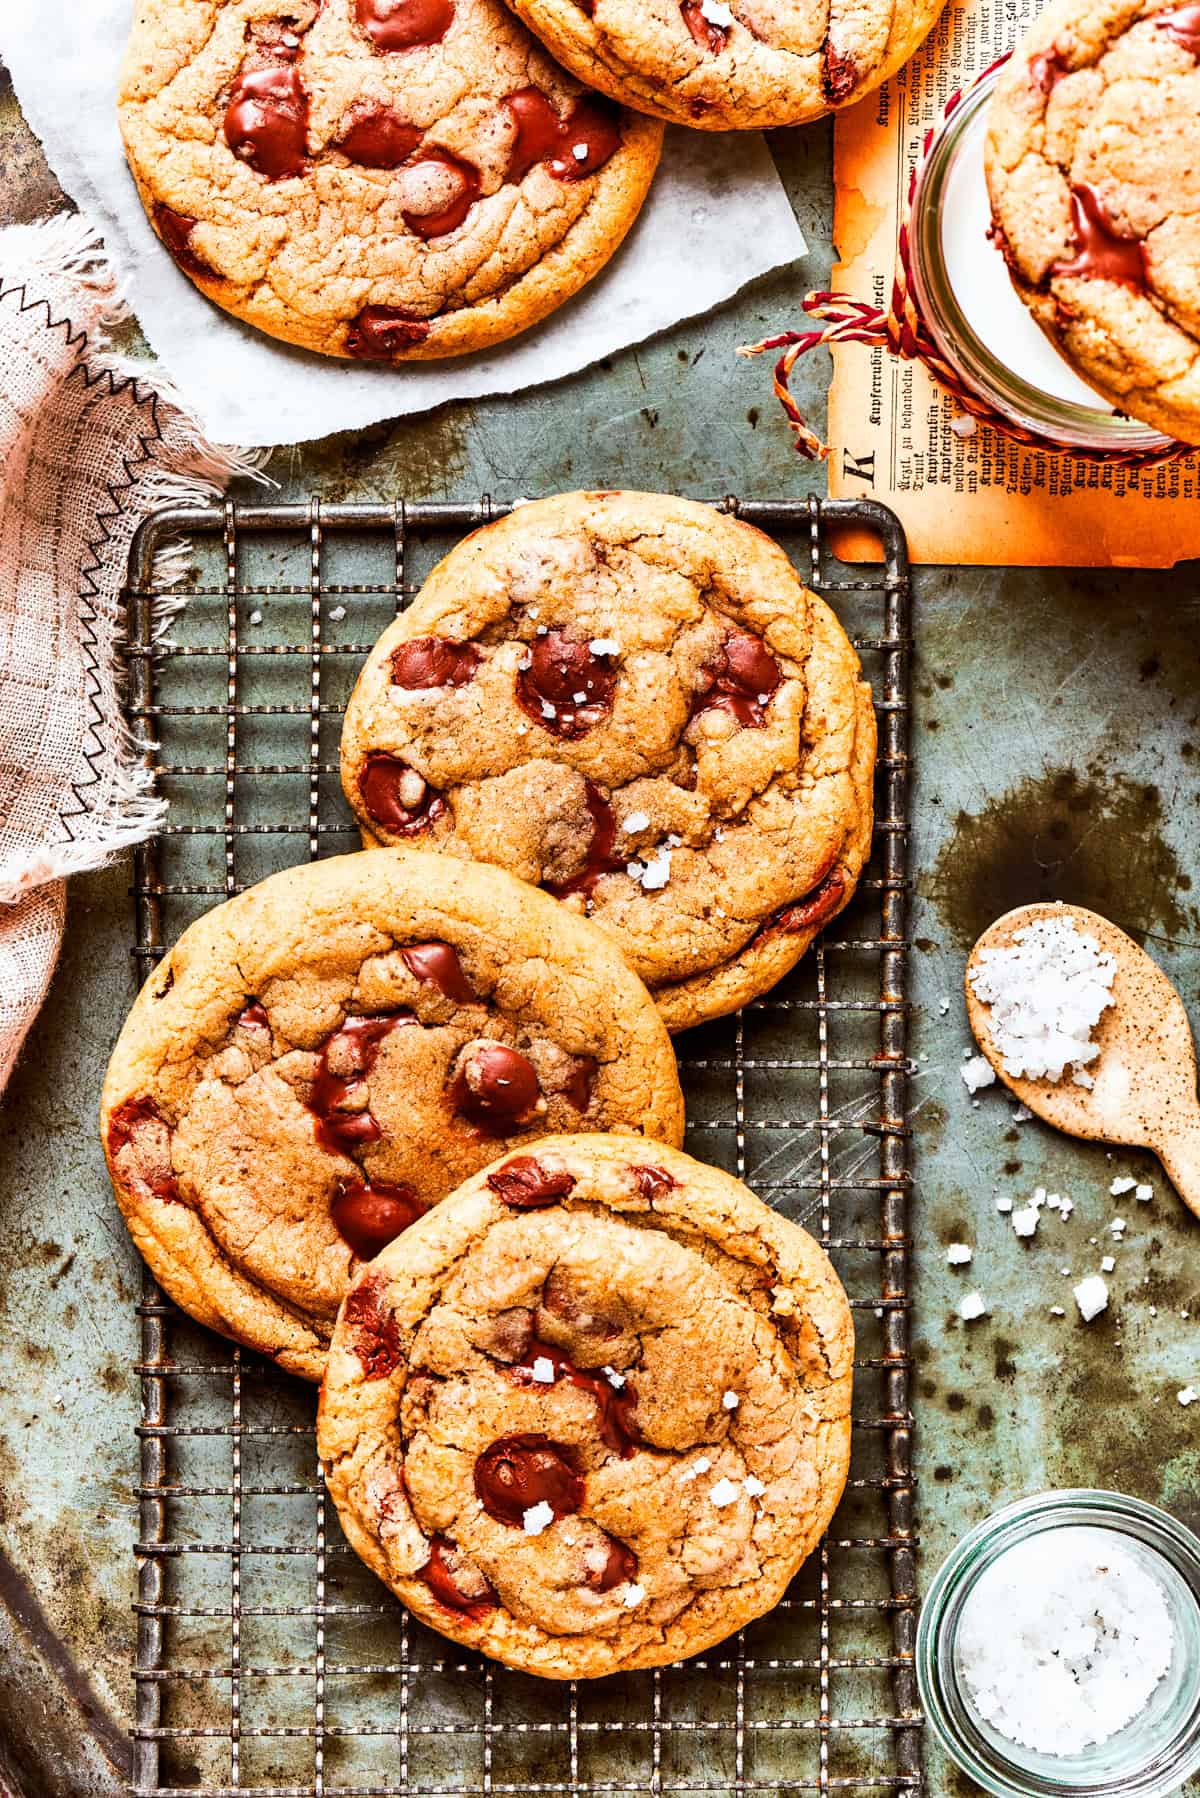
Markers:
1145,1074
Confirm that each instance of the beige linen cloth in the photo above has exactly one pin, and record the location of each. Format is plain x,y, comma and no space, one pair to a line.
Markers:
88,446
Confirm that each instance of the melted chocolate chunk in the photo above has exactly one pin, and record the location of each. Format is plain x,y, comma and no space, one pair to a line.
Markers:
438,963
426,662
620,1567
652,1182
379,333
1100,253
526,1185
617,1428
571,147
254,1017
466,182
266,121
566,689
338,1101
740,681
497,1089
1047,69
709,36
377,137
374,1332
840,74
459,1586
175,229
579,1083
140,1134
404,24
811,911
518,1472
384,785
1183,27
600,857
368,1215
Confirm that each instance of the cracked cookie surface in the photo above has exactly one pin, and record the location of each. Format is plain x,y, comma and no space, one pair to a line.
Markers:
634,702
593,1412
1093,169
742,65
320,1060
388,180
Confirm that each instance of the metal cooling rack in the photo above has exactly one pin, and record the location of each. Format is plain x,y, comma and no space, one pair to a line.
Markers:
269,1660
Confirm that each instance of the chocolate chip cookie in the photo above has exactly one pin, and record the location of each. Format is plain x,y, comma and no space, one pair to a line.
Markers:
634,702
732,65
389,180
593,1412
323,1058
1093,167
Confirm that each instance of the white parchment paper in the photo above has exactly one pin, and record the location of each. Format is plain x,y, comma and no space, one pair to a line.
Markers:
716,217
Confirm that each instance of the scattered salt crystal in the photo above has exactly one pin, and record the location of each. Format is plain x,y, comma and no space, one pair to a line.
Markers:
1057,1311
1187,1395
964,425
1022,1114
579,698
1066,1206
256,617
1004,1205
971,1307
634,1595
1122,1183
526,661
337,613
977,1073
944,1006
723,1493
697,1467
537,1518
579,152
1063,1639
657,871
731,1401
753,1486
1143,1192
716,13
1154,1310
548,711
1025,1221
1091,1295
958,1254
635,821
543,1370
615,1379
1118,1224
1044,994
604,646
1107,1264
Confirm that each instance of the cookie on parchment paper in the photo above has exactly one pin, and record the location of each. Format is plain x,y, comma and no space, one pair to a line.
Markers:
390,180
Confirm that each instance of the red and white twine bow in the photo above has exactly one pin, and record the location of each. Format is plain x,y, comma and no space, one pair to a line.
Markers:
902,331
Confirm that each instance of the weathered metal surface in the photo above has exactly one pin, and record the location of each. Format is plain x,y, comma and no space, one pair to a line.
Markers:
1057,736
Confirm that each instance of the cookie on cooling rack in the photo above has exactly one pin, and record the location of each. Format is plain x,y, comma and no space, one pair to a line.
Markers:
323,1058
390,180
633,701
732,65
1093,167
593,1412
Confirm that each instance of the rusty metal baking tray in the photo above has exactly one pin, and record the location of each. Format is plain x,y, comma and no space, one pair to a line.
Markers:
269,1660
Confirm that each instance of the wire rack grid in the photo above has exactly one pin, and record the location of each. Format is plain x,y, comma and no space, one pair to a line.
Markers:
269,1660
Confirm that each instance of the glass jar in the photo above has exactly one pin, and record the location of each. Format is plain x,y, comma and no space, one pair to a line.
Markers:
1154,1753
962,286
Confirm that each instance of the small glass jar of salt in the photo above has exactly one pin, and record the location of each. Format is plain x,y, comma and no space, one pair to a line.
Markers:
968,301
1059,1649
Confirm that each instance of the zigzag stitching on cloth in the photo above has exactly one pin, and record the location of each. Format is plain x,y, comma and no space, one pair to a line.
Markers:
90,592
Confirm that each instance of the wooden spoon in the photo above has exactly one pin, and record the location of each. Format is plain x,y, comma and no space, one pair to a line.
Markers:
1145,1074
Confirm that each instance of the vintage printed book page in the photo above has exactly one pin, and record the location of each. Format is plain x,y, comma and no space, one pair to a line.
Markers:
984,498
